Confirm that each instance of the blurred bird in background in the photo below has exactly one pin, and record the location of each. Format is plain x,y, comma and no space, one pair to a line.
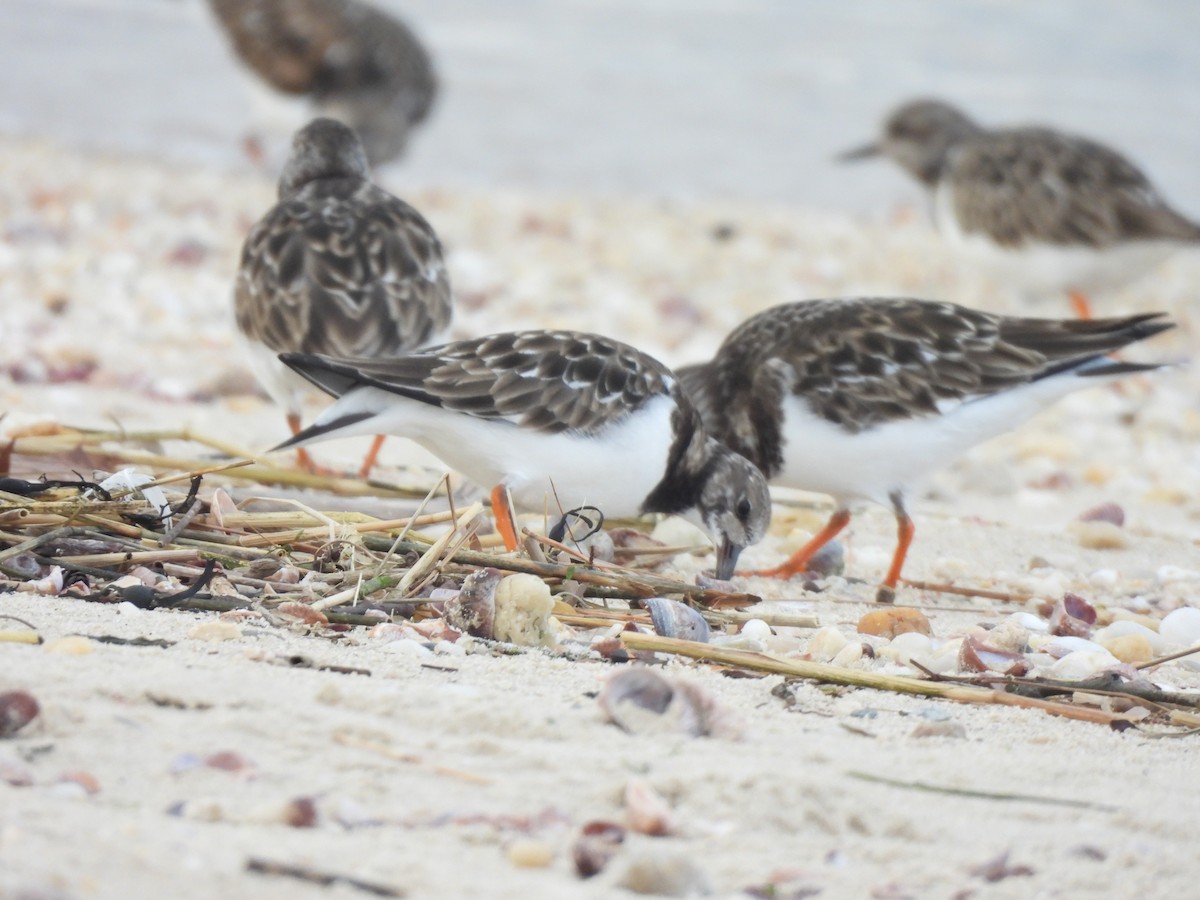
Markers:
1044,210
338,267
354,62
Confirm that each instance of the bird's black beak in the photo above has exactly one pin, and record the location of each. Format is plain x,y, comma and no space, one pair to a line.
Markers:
727,557
866,151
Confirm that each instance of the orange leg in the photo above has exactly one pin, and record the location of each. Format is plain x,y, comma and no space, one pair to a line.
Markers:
303,460
502,510
798,561
1079,303
369,460
905,529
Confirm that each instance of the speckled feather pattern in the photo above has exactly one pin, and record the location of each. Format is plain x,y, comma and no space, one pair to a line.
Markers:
355,61
1035,184
345,269
549,381
859,363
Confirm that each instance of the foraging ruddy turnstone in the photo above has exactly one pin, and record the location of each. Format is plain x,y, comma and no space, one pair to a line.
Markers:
1043,209
554,419
859,398
338,266
356,63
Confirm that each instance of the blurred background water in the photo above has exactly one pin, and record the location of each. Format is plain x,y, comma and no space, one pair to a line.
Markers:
742,99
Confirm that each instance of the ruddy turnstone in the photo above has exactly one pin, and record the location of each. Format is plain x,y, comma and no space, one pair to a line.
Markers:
859,398
338,266
356,63
554,419
1047,210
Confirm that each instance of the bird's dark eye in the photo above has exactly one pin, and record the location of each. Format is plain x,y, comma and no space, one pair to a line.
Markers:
743,509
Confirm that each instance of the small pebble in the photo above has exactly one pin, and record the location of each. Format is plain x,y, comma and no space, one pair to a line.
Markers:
72,645
939,729
1129,648
665,874
527,853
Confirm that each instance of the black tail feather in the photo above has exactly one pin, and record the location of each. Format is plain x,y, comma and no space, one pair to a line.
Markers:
312,432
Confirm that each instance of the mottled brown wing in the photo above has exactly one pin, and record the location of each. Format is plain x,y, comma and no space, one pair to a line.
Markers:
1036,185
287,42
342,269
862,362
550,381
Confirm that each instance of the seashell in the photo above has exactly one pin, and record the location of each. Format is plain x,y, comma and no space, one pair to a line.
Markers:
827,643
1058,647
17,709
1105,512
715,584
1128,628
756,630
640,701
628,544
596,845
891,622
215,631
849,655
523,612
976,656
71,645
1030,621
674,620
646,810
301,613
15,774
1073,616
829,560
473,610
1181,628
1080,664
908,646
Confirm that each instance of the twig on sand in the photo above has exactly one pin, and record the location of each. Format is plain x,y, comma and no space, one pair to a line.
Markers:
939,588
981,795
315,876
830,674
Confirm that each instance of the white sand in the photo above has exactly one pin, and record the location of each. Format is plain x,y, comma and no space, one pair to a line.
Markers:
538,759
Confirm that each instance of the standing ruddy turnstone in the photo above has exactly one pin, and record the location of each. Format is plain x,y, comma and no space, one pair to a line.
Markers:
1046,210
355,62
338,266
860,398
552,419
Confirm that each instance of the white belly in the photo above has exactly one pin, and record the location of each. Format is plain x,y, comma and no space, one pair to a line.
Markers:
284,386
872,464
1047,268
542,471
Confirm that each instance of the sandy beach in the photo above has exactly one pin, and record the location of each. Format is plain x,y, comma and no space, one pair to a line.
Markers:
430,767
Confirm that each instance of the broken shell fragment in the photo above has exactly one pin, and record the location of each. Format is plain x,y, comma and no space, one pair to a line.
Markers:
675,620
640,701
17,709
523,607
473,611
646,809
597,844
